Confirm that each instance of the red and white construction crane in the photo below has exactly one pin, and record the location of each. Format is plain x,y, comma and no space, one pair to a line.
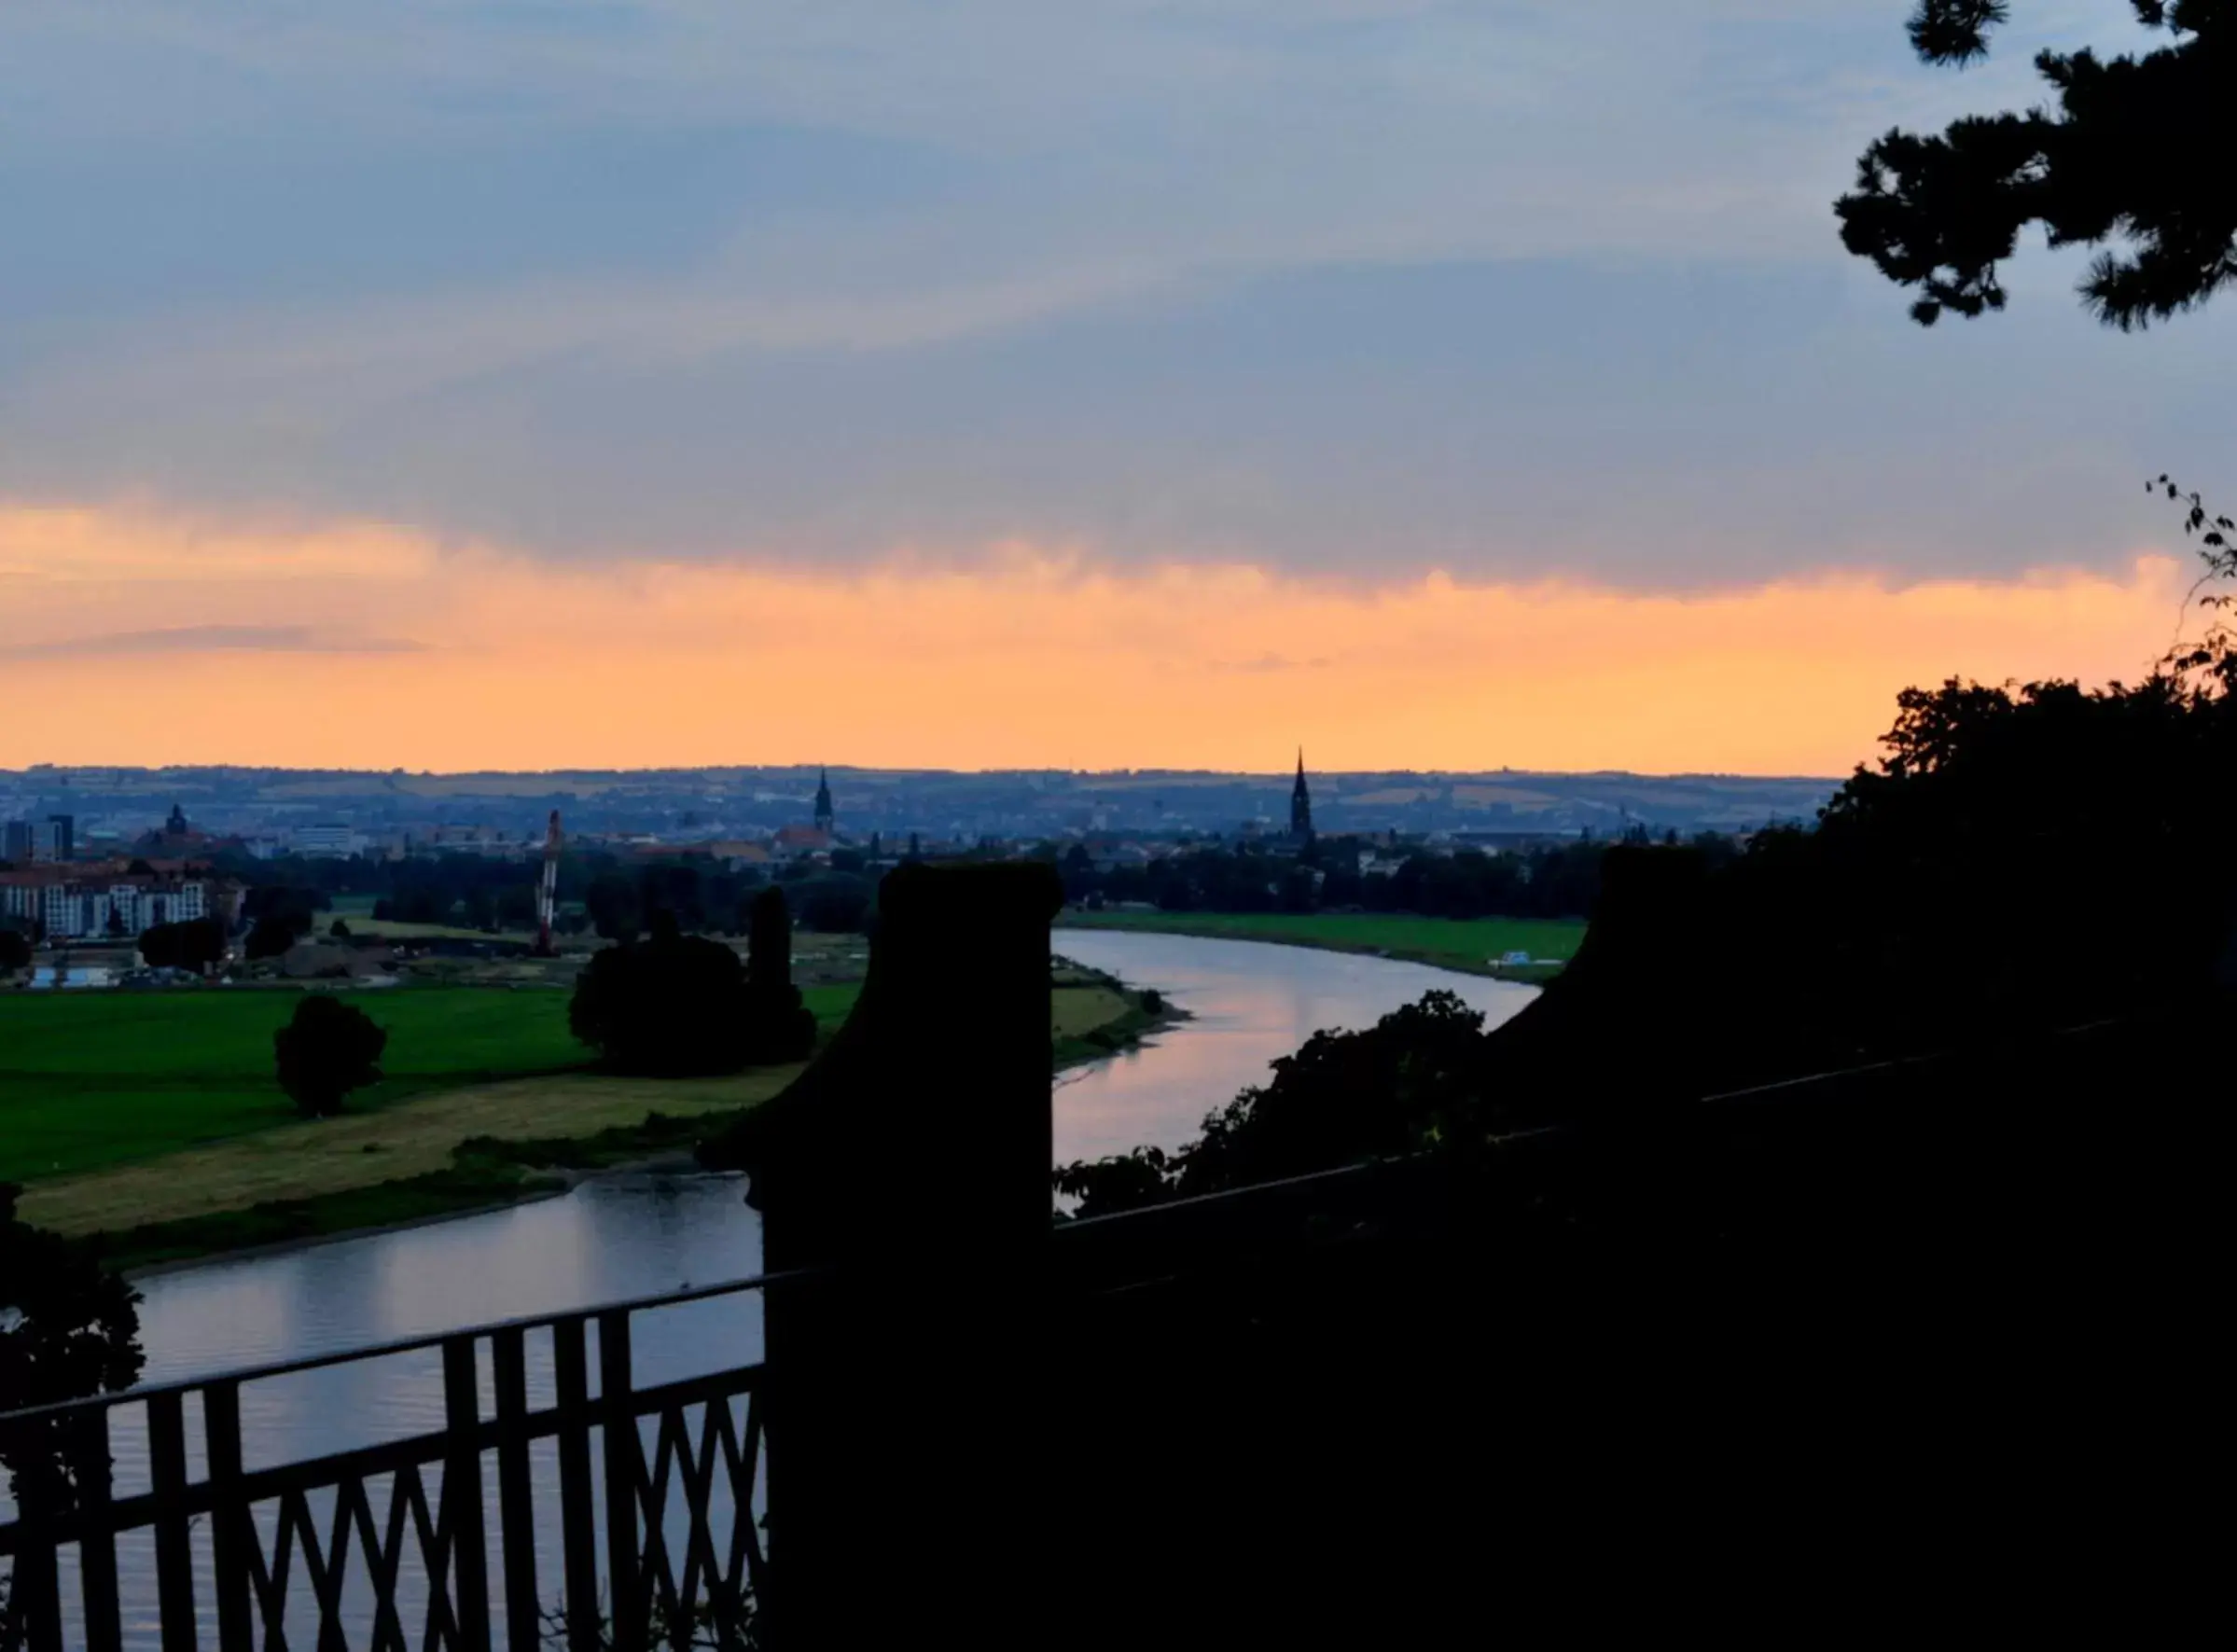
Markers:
548,891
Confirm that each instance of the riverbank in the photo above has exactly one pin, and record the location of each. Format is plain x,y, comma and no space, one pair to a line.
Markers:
1470,946
474,1147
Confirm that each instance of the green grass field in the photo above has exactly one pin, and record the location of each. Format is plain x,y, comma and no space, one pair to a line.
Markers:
1467,944
97,1079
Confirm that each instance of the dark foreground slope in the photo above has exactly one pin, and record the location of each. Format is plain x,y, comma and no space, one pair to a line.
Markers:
1922,1342
1919,1344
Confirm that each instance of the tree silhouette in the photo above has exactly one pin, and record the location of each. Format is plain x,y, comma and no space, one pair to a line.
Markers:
14,951
68,1328
781,1027
190,944
672,1006
1344,1097
326,1052
2134,157
272,936
612,902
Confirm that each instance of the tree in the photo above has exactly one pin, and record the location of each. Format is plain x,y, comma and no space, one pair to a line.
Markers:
781,1027
68,1328
480,908
612,901
339,929
326,1050
2134,157
295,905
2023,858
14,951
674,888
192,944
272,936
836,903
117,927
672,1006
1343,1098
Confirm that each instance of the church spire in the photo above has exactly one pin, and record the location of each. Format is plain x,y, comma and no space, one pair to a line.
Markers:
824,815
1301,803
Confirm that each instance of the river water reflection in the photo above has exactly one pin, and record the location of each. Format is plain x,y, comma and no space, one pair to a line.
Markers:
1249,1002
637,1235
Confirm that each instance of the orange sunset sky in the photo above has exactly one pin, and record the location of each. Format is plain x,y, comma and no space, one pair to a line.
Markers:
134,639
441,384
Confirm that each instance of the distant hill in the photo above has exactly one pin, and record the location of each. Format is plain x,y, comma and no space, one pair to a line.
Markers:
943,803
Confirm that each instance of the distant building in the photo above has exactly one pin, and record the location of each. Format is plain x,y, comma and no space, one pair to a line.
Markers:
83,908
30,842
339,840
1508,842
487,839
801,839
737,854
21,895
825,819
175,836
1300,804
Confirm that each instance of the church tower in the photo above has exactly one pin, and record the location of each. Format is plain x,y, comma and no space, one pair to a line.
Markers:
822,801
1300,804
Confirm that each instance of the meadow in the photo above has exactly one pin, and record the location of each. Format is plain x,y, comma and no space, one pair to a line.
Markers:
1472,945
93,1079
154,1121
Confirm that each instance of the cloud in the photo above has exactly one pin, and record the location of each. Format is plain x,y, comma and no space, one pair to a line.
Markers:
1032,656
1371,287
205,639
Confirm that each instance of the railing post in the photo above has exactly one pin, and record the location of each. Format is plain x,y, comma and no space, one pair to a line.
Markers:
922,1131
89,1460
462,1494
231,1531
174,1554
624,1469
516,1509
36,1595
578,1532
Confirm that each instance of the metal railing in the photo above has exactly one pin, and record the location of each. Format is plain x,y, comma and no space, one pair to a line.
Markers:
658,1495
644,1513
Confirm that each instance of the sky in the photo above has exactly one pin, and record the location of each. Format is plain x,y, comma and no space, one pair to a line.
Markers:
460,384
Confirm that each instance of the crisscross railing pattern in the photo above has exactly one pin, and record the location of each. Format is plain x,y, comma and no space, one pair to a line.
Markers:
606,1508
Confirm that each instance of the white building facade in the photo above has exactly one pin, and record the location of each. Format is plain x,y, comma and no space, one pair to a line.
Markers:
73,911
339,840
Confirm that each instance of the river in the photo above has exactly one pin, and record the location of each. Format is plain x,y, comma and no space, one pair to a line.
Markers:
635,1235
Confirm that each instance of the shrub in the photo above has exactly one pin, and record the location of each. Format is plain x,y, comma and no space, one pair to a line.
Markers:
672,1007
327,1049
193,944
1346,1096
274,934
836,903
